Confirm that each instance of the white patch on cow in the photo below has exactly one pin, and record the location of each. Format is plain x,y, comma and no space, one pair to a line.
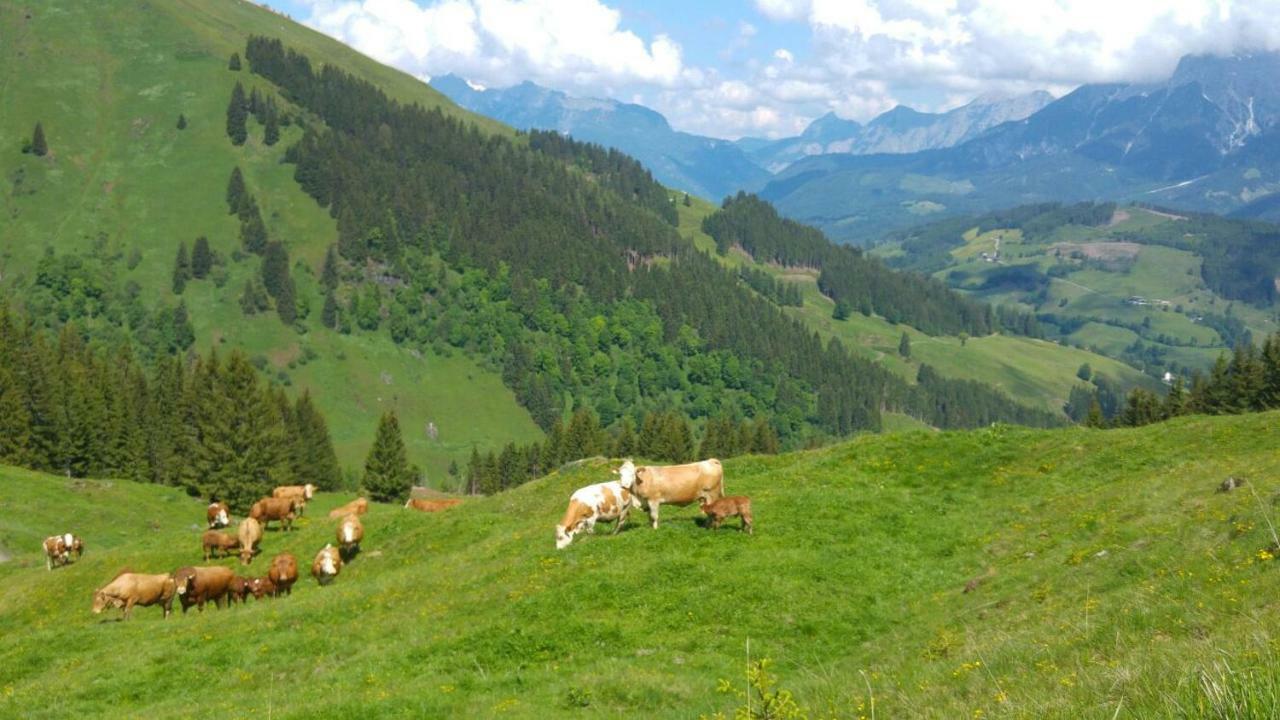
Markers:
66,540
348,534
563,538
627,474
308,491
222,517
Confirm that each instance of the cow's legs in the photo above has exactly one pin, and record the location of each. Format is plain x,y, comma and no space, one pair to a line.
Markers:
653,514
622,519
128,607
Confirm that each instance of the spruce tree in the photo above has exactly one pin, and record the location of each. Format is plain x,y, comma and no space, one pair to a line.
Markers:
314,459
236,191
181,269
201,258
386,470
473,472
38,145
184,336
275,267
15,420
182,121
253,233
329,315
329,273
841,311
287,302
236,116
271,133
234,62
624,445
904,346
583,438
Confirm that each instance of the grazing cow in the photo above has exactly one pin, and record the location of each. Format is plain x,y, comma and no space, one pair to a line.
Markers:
588,505
299,494
262,587
58,549
268,509
198,585
350,533
327,565
238,590
128,589
672,484
432,505
356,507
250,532
283,573
727,507
215,541
219,515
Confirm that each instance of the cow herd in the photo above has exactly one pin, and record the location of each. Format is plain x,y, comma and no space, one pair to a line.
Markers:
647,487
650,487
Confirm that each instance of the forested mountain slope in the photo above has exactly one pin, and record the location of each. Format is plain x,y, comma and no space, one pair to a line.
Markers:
1108,579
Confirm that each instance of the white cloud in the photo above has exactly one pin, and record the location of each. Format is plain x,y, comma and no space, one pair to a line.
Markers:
784,55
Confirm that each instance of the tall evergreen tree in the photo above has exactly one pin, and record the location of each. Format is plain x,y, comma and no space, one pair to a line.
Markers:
314,459
271,131
329,315
904,346
236,190
253,232
329,273
15,420
287,302
181,269
39,146
386,470
182,121
236,116
234,62
275,267
626,442
201,258
584,437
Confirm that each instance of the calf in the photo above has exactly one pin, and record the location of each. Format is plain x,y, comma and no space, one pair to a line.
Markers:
672,484
214,542
602,501
268,509
350,533
283,573
327,565
128,589
58,549
727,507
198,585
218,515
299,494
432,505
356,507
250,532
262,587
238,590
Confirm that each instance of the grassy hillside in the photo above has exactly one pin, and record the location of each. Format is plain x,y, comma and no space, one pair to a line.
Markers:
108,81
1035,372
1114,574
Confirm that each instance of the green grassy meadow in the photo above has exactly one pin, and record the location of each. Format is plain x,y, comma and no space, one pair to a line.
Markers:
1115,576
122,177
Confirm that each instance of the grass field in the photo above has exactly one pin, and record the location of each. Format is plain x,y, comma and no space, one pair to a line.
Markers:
1114,574
118,168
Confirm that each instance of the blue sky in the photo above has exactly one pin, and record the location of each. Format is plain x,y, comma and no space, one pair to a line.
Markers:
769,67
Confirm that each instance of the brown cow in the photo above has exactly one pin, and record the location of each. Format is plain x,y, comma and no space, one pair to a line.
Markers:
327,565
128,589
198,585
250,532
299,494
589,505
283,573
262,587
268,509
350,533
356,507
218,514
727,507
238,590
672,484
214,541
432,505
58,549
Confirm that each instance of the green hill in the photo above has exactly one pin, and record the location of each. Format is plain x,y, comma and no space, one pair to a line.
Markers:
1118,584
122,186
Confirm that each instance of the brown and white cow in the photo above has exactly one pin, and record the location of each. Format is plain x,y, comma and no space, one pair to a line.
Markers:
432,505
656,485
215,542
299,494
128,589
283,573
359,506
327,565
350,533
726,507
218,514
590,504
198,585
268,509
58,549
250,534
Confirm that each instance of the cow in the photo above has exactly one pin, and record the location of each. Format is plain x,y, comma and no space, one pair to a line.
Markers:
350,533
299,494
127,589
283,573
58,549
672,484
198,585
214,541
250,532
268,509
218,514
262,587
431,505
238,590
356,507
327,565
590,504
727,507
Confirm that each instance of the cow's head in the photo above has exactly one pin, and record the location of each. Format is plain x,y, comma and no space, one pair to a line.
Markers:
223,520
101,601
626,473
246,555
308,491
564,537
184,581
